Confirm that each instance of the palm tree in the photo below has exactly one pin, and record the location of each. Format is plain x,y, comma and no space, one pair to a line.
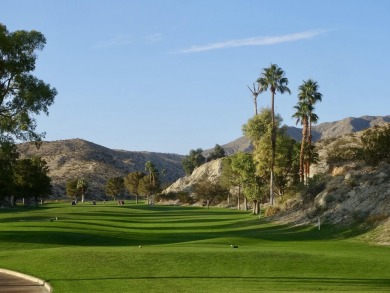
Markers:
274,79
308,92
302,116
153,173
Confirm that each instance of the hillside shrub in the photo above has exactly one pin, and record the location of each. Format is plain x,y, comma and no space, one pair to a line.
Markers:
315,186
271,211
338,156
359,216
183,196
166,196
376,143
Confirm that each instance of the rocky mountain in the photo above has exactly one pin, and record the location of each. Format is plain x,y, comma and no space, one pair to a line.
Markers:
77,158
321,131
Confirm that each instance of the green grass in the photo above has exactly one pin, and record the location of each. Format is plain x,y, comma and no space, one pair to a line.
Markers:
184,249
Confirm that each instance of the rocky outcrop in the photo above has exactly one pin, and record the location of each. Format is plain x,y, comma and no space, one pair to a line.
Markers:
354,195
211,169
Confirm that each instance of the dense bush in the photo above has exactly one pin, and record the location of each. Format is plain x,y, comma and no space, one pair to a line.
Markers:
376,145
182,196
271,211
339,155
315,185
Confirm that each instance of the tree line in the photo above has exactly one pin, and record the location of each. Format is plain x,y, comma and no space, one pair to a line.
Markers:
277,161
146,184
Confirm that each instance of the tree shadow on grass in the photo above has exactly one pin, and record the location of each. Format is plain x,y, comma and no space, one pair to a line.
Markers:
159,225
328,282
88,236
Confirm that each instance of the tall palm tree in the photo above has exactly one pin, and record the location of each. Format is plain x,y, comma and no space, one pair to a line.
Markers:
274,79
308,92
153,173
302,116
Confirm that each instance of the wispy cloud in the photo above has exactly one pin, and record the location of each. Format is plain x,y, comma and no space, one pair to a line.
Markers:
153,38
255,41
118,40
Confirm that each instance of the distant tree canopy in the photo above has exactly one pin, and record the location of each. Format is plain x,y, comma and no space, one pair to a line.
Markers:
193,160
77,187
71,188
132,183
218,152
114,186
22,178
31,179
210,192
8,157
22,95
286,162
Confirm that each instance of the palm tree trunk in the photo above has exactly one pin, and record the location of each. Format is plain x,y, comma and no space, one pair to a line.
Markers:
301,173
309,140
238,197
273,147
302,154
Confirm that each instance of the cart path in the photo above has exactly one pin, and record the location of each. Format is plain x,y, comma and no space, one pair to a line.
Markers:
13,282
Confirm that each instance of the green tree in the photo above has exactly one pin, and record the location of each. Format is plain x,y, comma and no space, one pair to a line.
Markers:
132,183
145,188
193,160
114,186
376,143
274,79
71,188
209,191
31,179
218,152
230,179
286,161
258,129
8,157
22,95
243,165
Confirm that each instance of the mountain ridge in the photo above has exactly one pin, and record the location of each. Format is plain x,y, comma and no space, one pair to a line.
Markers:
321,131
75,158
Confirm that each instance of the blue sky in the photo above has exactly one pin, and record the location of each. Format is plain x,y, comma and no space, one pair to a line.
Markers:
172,75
